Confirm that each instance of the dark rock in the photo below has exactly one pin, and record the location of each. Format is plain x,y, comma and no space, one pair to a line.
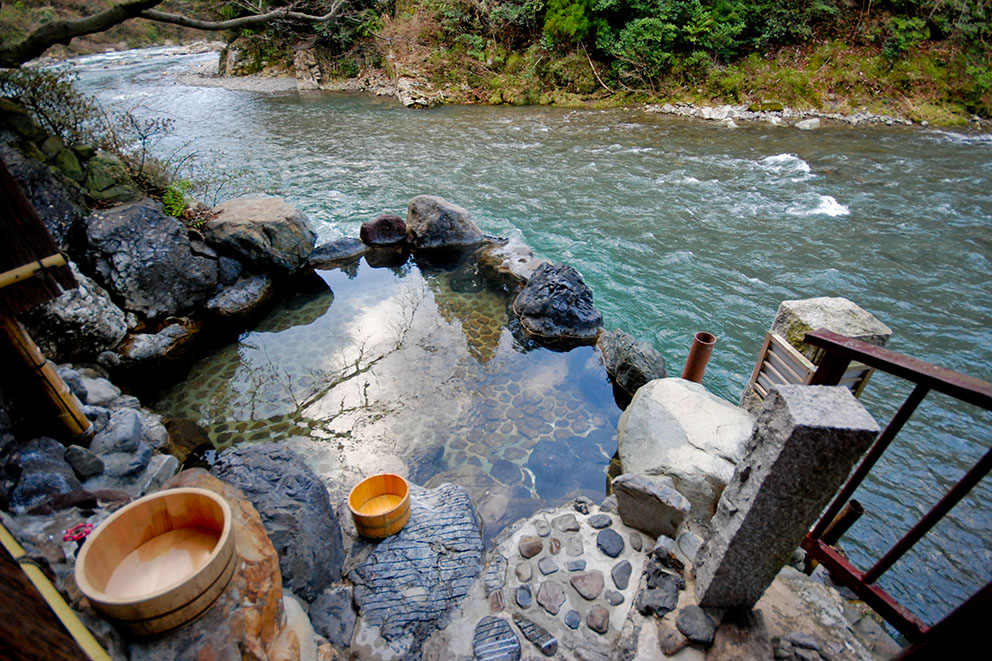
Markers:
62,501
576,565
44,472
696,625
385,230
58,204
263,232
609,542
506,472
387,257
83,462
598,619
554,546
573,619
184,436
599,521
530,546
613,598
122,433
582,505
550,596
565,523
556,305
671,641
143,257
656,573
800,639
79,322
242,299
334,253
742,635
589,584
536,634
228,270
495,576
412,581
433,222
15,116
494,640
630,363
661,595
547,566
621,574
73,379
333,616
296,511
98,415
524,572
649,506
524,596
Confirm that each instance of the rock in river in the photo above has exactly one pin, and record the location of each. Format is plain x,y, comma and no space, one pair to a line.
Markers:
264,232
433,222
556,305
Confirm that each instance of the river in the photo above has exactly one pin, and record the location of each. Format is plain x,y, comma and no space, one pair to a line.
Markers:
678,226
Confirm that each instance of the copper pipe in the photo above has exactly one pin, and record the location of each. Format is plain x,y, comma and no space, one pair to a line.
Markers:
699,355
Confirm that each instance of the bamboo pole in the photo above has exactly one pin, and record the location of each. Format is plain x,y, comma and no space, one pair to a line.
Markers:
70,411
21,273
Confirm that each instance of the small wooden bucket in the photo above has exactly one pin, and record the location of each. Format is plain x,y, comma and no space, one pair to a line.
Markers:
380,505
160,561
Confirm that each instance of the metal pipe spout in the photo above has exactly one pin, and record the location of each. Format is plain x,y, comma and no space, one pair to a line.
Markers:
699,356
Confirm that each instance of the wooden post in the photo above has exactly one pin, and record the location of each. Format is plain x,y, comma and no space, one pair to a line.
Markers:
69,408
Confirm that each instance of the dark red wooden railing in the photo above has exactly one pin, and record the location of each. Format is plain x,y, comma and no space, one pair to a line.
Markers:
837,353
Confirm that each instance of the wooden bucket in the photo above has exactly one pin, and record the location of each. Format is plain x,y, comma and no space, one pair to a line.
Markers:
160,561
380,505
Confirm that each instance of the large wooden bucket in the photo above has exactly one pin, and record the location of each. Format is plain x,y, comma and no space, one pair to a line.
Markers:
160,561
380,505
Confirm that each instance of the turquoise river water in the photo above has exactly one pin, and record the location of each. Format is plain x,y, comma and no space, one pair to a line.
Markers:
678,226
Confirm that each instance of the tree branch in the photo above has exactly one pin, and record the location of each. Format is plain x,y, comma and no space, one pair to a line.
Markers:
62,32
242,22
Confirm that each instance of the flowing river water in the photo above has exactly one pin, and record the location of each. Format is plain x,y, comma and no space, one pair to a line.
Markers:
677,226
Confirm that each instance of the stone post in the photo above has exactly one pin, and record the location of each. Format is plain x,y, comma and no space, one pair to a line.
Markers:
796,318
805,443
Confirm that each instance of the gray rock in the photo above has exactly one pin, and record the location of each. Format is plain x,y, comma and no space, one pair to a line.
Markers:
333,616
630,363
160,468
513,260
44,472
689,543
84,463
536,634
658,601
573,546
621,574
433,222
153,431
576,565
333,253
98,415
242,299
565,523
524,596
796,318
228,270
804,640
589,585
524,572
635,541
696,625
547,566
806,441
598,521
583,505
609,542
556,306
677,429
122,433
529,546
550,596
73,379
144,258
494,640
671,641
648,506
80,322
495,576
613,598
151,351
100,392
572,619
385,230
609,504
58,204
808,124
124,466
295,510
263,232
542,527
412,581
598,619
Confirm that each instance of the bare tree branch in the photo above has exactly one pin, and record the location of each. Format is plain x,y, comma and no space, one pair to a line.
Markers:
62,32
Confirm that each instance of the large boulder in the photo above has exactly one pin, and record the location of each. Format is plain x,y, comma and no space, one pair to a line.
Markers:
108,180
433,222
411,582
80,322
384,230
630,363
144,258
512,259
170,347
296,510
44,472
678,429
243,299
556,305
248,618
265,233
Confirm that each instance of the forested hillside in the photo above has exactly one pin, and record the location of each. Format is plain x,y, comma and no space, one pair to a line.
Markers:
924,59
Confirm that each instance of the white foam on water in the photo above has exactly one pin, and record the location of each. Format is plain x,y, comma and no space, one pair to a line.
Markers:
963,138
826,205
786,164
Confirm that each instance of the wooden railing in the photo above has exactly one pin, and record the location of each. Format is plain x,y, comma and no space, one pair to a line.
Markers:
838,353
